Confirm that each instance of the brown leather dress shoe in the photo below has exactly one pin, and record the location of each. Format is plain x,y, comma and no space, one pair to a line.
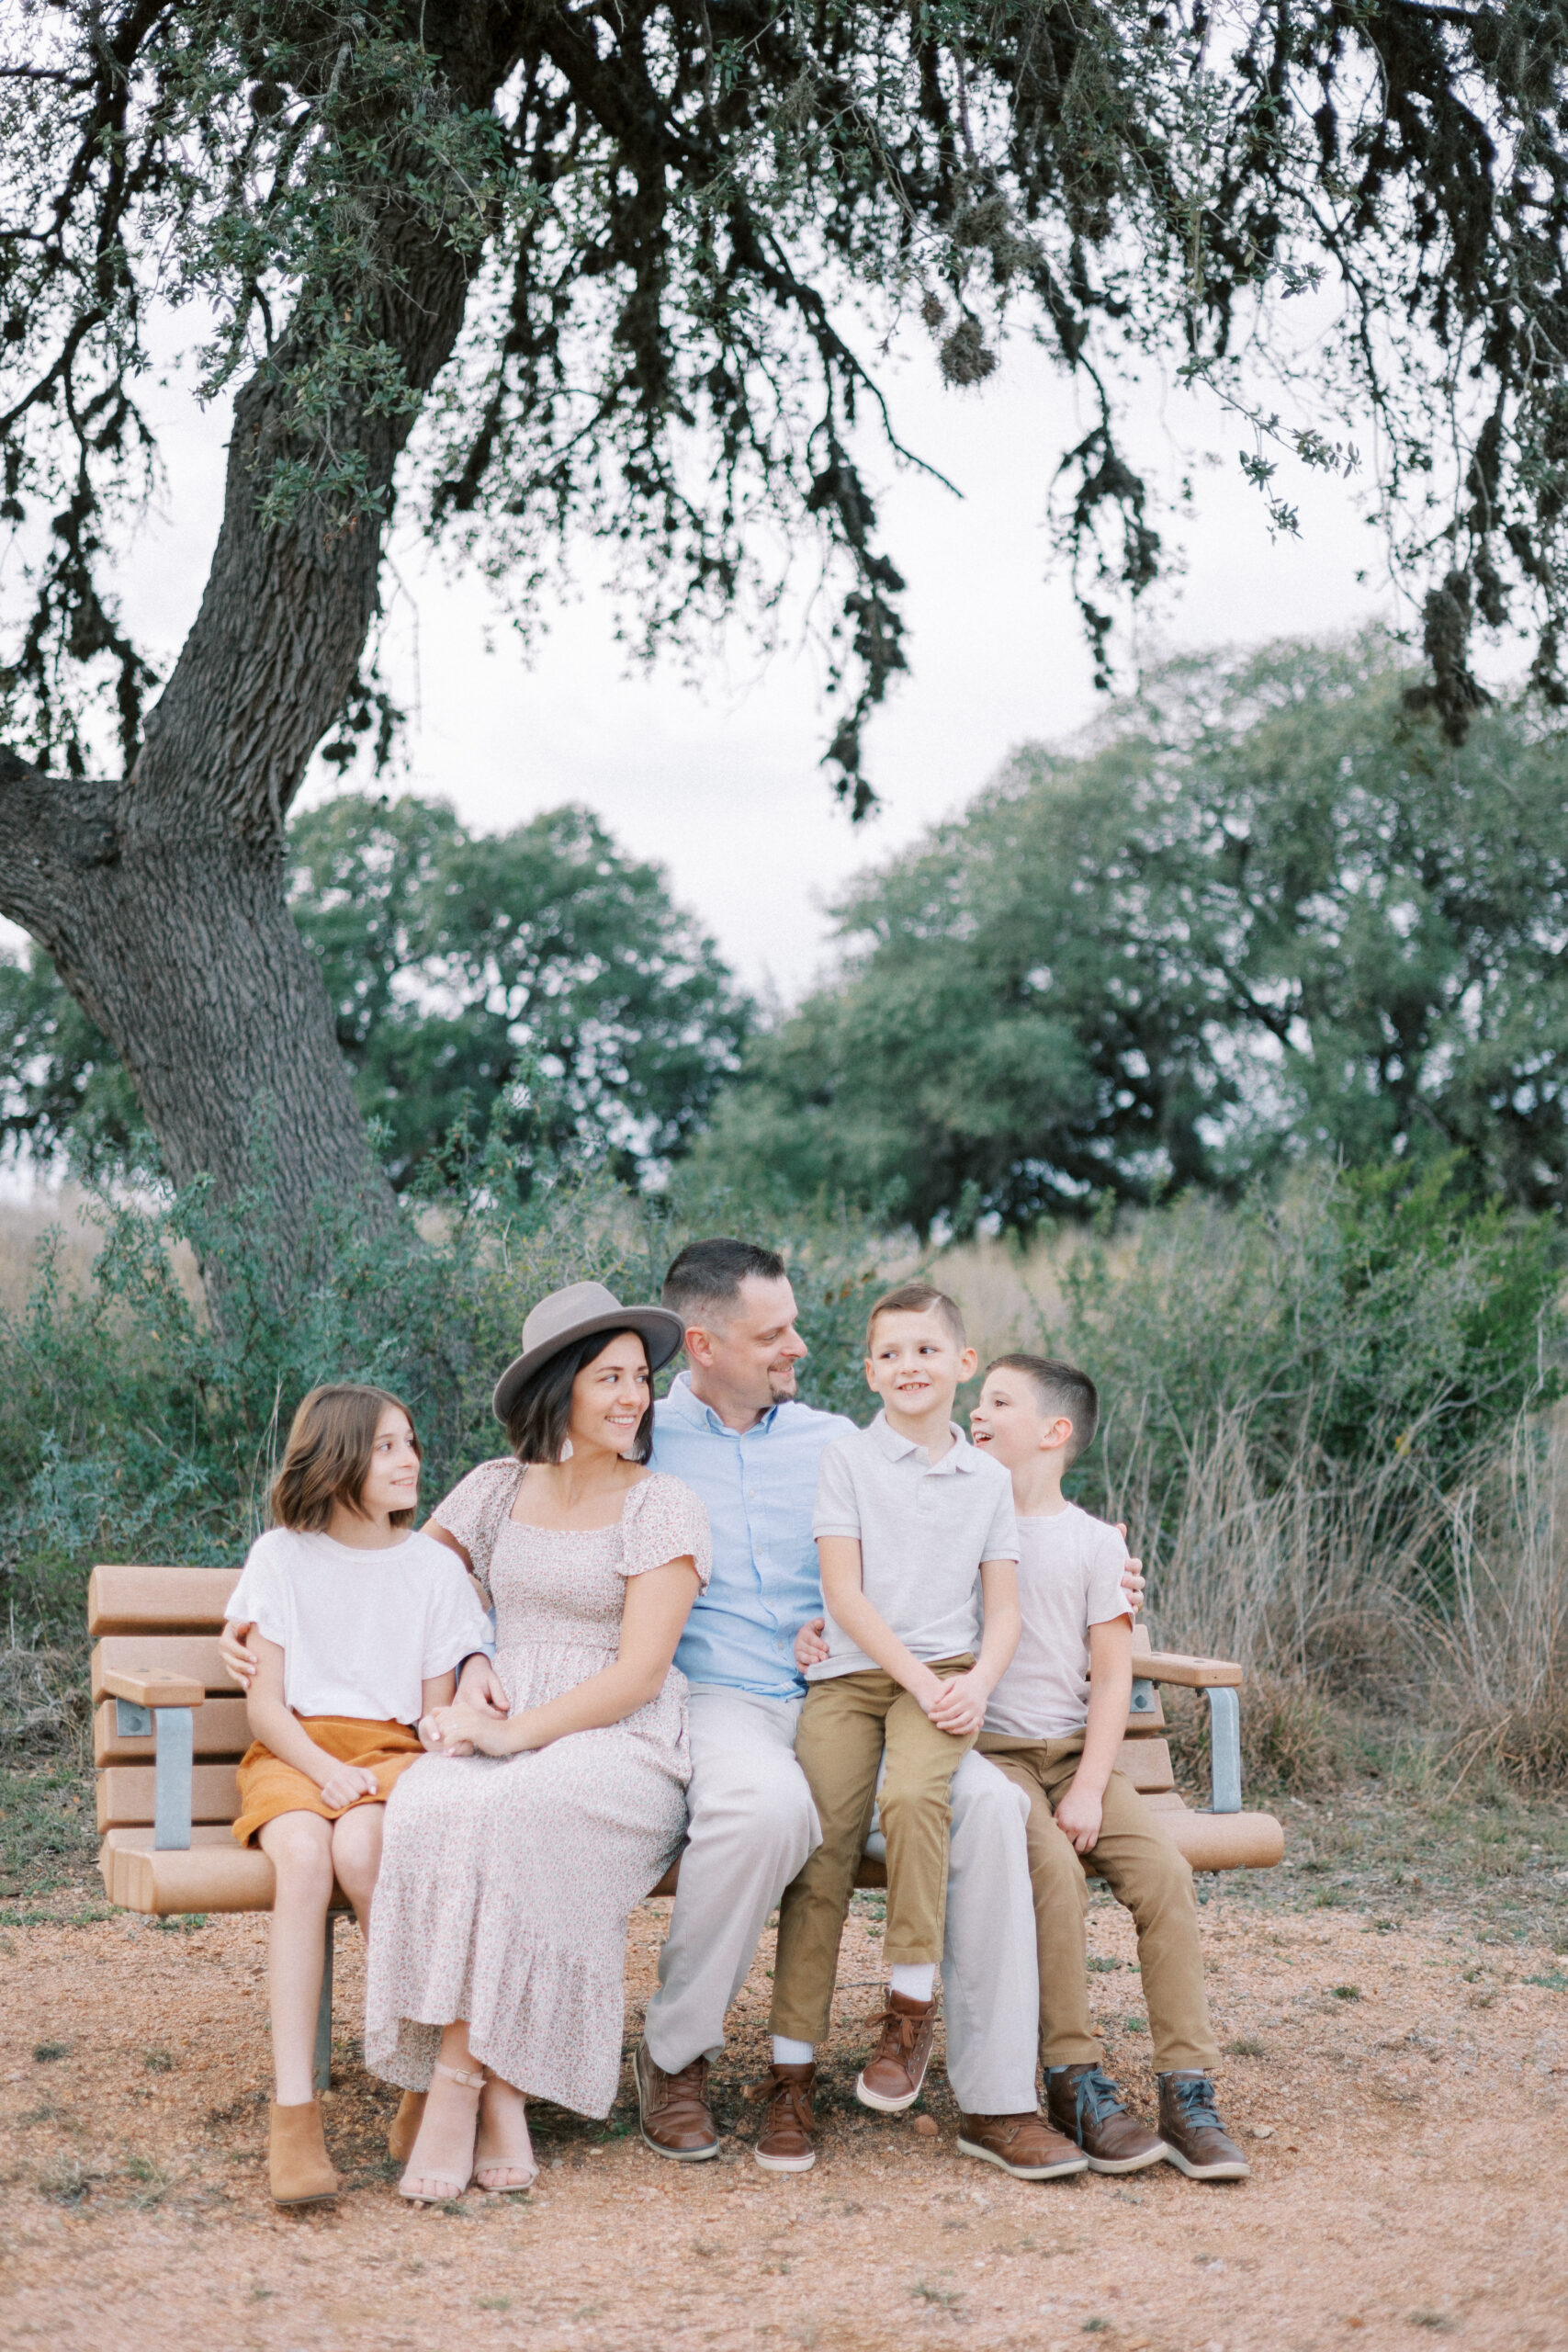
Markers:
1190,2125
789,2126
1024,2145
891,2081
1085,2103
673,2110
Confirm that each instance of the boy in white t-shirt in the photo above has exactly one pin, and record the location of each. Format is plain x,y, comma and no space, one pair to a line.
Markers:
361,1625
1057,1732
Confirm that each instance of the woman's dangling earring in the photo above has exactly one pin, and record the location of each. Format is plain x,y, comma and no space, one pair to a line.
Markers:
564,1453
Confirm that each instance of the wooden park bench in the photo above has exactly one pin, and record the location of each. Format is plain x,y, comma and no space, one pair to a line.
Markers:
169,1728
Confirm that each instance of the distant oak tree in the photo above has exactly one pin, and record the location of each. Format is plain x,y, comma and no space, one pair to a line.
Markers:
569,266
1273,910
537,986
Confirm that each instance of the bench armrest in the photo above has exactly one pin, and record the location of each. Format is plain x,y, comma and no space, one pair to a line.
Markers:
1218,1679
164,1705
1190,1673
151,1688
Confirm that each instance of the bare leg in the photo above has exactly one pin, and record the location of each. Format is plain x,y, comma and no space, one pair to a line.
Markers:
504,2154
442,2163
300,1848
356,1856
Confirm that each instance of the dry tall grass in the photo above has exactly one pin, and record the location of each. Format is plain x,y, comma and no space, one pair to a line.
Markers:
1347,1593
1374,1595
27,1220
1010,1298
1504,1631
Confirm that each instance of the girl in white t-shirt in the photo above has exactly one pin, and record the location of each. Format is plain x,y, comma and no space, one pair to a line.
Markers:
360,1625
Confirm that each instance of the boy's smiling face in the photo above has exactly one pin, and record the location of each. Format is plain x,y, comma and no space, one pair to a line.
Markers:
1011,1422
915,1364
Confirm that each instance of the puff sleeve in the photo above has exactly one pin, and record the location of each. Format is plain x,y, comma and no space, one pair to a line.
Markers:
261,1597
664,1520
476,1509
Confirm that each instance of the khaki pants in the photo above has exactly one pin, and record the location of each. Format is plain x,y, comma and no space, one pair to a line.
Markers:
846,1725
1142,1870
752,1825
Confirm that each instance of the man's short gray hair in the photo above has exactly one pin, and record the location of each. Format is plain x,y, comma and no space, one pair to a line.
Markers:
707,1275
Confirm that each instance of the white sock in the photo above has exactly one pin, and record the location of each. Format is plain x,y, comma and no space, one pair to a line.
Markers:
792,2053
916,1979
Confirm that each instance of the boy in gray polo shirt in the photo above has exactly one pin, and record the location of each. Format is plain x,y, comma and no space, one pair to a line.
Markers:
914,1530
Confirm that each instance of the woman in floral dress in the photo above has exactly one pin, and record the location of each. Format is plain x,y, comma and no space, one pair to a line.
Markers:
515,1849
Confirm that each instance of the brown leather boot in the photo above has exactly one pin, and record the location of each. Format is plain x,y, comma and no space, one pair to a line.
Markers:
1190,2125
788,2126
299,2167
1024,2145
403,2130
673,2110
891,2081
1085,2103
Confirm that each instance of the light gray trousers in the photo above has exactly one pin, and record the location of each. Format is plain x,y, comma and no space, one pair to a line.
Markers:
752,1825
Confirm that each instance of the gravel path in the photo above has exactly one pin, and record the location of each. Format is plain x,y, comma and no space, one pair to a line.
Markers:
1401,2091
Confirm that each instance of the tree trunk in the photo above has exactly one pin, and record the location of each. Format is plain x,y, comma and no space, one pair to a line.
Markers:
182,949
161,897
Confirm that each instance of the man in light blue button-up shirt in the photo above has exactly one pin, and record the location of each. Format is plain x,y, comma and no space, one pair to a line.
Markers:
741,1633
732,1429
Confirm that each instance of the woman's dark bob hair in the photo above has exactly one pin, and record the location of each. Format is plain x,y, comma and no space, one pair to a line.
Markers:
537,1425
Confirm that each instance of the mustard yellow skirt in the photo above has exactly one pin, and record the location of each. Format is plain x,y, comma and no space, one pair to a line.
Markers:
268,1786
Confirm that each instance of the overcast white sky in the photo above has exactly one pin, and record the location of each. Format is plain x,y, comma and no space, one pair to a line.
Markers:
723,782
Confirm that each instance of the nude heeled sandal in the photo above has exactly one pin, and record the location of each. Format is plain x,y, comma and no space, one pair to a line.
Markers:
445,2185
491,2166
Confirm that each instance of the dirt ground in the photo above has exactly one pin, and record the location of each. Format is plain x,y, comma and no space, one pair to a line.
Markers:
1397,2068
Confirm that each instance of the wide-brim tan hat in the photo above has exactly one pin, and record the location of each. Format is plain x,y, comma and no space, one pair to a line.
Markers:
575,1313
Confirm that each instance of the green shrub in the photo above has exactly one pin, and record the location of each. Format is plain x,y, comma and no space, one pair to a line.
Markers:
1372,1317
134,1423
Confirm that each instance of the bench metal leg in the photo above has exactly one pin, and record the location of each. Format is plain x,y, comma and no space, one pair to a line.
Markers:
1224,1751
174,1735
323,2070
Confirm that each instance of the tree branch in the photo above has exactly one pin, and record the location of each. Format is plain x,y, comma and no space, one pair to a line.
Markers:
54,831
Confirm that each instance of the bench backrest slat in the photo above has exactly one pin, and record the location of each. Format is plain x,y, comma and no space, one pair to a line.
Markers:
127,1795
220,1728
158,1600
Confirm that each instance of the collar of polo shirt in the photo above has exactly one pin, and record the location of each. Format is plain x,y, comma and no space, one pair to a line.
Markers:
960,1456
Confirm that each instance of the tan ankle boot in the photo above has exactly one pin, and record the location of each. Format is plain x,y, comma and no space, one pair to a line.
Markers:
405,2128
297,2162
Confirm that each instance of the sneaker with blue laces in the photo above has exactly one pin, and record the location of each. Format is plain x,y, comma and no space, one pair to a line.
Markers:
1084,2103
1190,2125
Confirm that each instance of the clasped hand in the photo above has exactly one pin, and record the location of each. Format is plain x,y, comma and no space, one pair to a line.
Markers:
349,1783
957,1705
460,1730
476,1719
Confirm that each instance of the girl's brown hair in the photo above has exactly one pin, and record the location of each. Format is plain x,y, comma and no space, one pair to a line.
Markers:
327,1459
